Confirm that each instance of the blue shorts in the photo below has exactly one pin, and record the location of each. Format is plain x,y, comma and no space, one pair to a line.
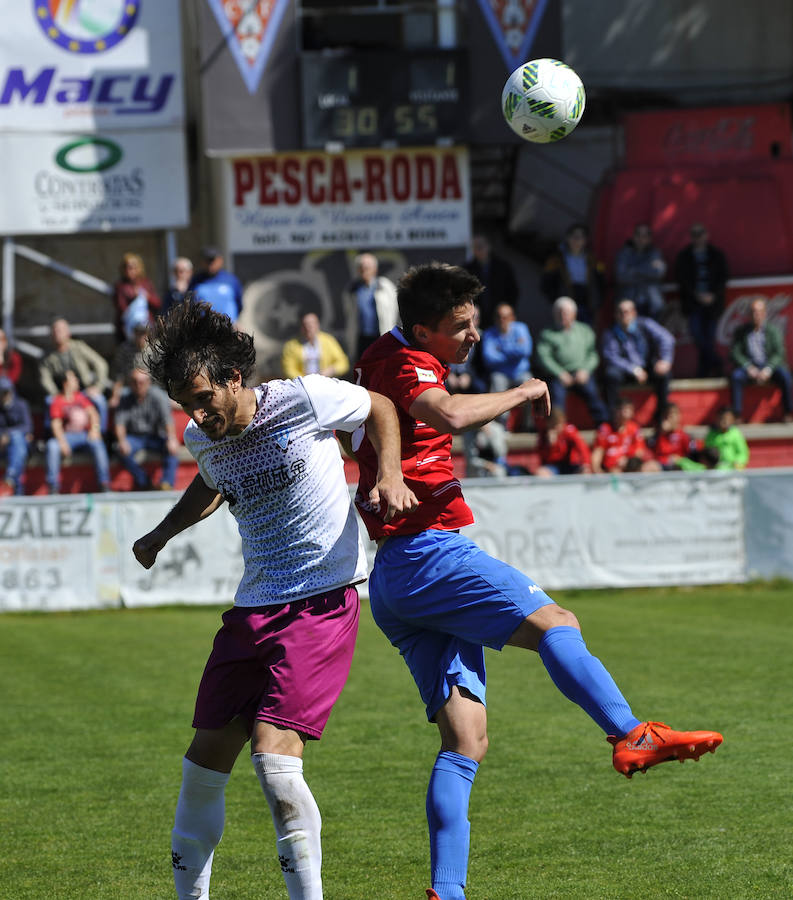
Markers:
440,600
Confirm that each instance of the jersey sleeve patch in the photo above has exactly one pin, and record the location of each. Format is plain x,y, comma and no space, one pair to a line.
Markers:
426,375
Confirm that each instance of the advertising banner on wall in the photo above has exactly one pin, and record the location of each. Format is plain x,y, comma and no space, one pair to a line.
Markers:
596,532
81,65
368,198
64,183
75,552
48,554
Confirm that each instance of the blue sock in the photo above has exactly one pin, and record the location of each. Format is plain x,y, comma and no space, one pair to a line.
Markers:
583,679
447,814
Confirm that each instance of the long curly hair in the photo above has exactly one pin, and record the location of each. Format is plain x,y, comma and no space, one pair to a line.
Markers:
194,339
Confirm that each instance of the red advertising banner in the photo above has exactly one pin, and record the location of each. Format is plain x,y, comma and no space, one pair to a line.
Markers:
708,135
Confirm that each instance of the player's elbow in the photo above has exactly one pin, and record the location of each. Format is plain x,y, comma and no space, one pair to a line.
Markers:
454,422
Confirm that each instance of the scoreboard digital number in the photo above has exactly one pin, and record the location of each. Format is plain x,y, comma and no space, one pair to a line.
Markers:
364,99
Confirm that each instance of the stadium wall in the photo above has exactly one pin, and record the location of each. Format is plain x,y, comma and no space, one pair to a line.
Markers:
74,551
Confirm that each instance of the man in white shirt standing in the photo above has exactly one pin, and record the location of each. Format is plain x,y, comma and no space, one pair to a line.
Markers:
283,653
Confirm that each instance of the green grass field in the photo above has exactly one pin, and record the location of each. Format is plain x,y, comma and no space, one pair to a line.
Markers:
96,717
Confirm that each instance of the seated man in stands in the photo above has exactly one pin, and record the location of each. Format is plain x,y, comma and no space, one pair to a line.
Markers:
562,449
636,350
506,353
88,366
75,426
16,434
758,352
671,442
143,421
619,445
568,355
128,356
315,351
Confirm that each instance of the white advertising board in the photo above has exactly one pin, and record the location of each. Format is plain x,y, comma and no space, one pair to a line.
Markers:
48,558
368,198
85,65
599,532
75,552
66,183
203,564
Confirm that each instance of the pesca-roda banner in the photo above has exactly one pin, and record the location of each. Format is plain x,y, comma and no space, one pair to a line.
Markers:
302,201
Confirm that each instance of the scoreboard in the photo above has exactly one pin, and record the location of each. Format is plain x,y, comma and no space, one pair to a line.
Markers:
383,98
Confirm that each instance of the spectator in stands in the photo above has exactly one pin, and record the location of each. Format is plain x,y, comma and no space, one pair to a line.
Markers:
562,449
639,272
506,352
135,298
636,350
496,275
726,438
485,450
75,426
701,273
315,351
128,356
216,286
71,354
16,434
573,271
143,421
619,445
568,355
671,442
179,283
758,352
10,360
370,303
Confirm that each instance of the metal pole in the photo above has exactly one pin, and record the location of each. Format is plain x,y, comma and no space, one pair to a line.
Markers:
9,287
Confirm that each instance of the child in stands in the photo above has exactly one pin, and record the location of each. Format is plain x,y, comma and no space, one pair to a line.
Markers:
562,449
671,442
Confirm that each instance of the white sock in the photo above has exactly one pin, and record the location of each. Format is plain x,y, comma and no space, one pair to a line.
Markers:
297,823
197,829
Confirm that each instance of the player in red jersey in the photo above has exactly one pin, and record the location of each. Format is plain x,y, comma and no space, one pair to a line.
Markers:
439,598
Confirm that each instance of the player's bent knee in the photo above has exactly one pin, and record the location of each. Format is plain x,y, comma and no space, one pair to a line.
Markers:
563,617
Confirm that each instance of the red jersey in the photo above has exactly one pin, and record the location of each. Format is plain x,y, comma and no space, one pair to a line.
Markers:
402,373
569,447
73,412
627,441
666,444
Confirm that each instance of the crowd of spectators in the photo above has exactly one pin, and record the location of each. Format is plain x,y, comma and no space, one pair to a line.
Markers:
602,340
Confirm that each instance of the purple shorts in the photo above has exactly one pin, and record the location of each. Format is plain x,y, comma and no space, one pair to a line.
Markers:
283,664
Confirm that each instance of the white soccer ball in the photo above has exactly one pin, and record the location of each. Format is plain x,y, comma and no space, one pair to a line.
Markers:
543,100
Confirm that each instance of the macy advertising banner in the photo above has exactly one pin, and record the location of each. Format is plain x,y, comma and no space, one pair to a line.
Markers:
80,65
368,198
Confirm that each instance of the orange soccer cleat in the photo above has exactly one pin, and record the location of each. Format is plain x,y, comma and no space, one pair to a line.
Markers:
651,743
431,895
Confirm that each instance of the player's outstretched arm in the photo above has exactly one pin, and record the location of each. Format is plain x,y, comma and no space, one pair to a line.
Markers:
382,429
196,503
455,413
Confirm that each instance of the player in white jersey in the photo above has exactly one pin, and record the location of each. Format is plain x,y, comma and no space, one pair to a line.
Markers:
284,651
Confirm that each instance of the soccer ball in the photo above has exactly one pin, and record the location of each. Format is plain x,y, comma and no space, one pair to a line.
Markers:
543,100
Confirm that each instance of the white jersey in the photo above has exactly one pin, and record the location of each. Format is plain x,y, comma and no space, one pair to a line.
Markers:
283,478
